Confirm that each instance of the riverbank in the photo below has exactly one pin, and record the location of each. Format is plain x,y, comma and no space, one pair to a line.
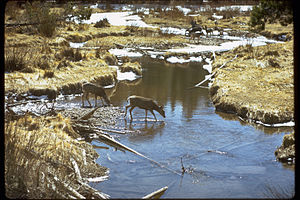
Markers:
83,52
258,85
45,159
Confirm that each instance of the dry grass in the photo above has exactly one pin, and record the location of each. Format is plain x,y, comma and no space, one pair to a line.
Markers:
65,78
131,67
258,85
43,159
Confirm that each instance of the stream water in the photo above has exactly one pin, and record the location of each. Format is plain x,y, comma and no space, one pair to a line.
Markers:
223,157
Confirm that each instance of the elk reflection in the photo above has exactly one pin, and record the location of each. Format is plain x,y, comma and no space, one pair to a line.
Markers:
144,130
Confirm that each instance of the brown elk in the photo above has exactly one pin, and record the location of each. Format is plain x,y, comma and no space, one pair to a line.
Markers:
144,103
209,31
96,90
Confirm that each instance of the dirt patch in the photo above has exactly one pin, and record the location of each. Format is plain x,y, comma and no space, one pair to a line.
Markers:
258,85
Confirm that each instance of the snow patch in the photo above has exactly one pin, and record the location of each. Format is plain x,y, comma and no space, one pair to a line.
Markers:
124,52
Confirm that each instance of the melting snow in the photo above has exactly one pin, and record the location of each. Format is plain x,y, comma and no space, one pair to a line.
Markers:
125,52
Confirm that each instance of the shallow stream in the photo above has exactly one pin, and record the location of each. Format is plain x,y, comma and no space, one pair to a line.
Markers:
223,157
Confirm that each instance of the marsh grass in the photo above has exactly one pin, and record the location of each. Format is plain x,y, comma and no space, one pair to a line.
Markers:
16,58
71,54
134,67
43,160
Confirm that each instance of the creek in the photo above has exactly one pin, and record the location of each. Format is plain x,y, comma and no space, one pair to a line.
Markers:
223,156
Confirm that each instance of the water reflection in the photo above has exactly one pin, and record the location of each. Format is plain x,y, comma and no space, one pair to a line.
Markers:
224,157
144,130
167,85
267,130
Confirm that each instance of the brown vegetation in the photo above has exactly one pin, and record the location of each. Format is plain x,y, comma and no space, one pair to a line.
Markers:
258,85
286,152
134,67
43,159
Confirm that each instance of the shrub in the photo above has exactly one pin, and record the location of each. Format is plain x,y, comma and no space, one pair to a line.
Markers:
43,63
39,15
77,55
271,11
47,24
15,59
49,74
102,23
70,54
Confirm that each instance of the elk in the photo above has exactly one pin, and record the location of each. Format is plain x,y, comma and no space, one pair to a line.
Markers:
144,103
208,30
96,90
195,35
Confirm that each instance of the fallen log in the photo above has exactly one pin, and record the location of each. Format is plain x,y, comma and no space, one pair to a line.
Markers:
88,115
110,141
211,75
110,130
156,194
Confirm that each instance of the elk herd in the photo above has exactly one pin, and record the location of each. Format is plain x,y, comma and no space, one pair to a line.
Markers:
196,31
137,101
134,101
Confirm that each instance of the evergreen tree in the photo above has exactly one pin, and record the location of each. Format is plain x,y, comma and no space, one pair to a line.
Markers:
271,11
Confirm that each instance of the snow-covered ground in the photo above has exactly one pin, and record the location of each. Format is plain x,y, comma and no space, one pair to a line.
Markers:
128,18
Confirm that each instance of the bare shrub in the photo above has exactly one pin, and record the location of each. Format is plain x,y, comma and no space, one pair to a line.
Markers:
49,74
172,13
15,59
69,53
102,23
43,63
39,15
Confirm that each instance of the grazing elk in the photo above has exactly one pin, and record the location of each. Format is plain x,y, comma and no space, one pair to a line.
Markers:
96,90
144,103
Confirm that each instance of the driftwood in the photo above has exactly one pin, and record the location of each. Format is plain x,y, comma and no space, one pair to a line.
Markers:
20,103
156,194
211,75
88,115
112,131
120,46
110,141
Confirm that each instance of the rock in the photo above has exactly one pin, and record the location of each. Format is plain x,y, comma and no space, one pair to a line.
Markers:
286,152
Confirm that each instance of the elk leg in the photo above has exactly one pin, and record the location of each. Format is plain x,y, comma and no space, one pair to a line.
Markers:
126,109
82,99
96,100
153,114
87,98
146,114
131,110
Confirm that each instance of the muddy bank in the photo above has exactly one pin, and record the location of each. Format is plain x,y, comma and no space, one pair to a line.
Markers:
258,85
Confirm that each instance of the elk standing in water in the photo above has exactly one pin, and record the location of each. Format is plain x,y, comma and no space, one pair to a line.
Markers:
144,103
96,90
